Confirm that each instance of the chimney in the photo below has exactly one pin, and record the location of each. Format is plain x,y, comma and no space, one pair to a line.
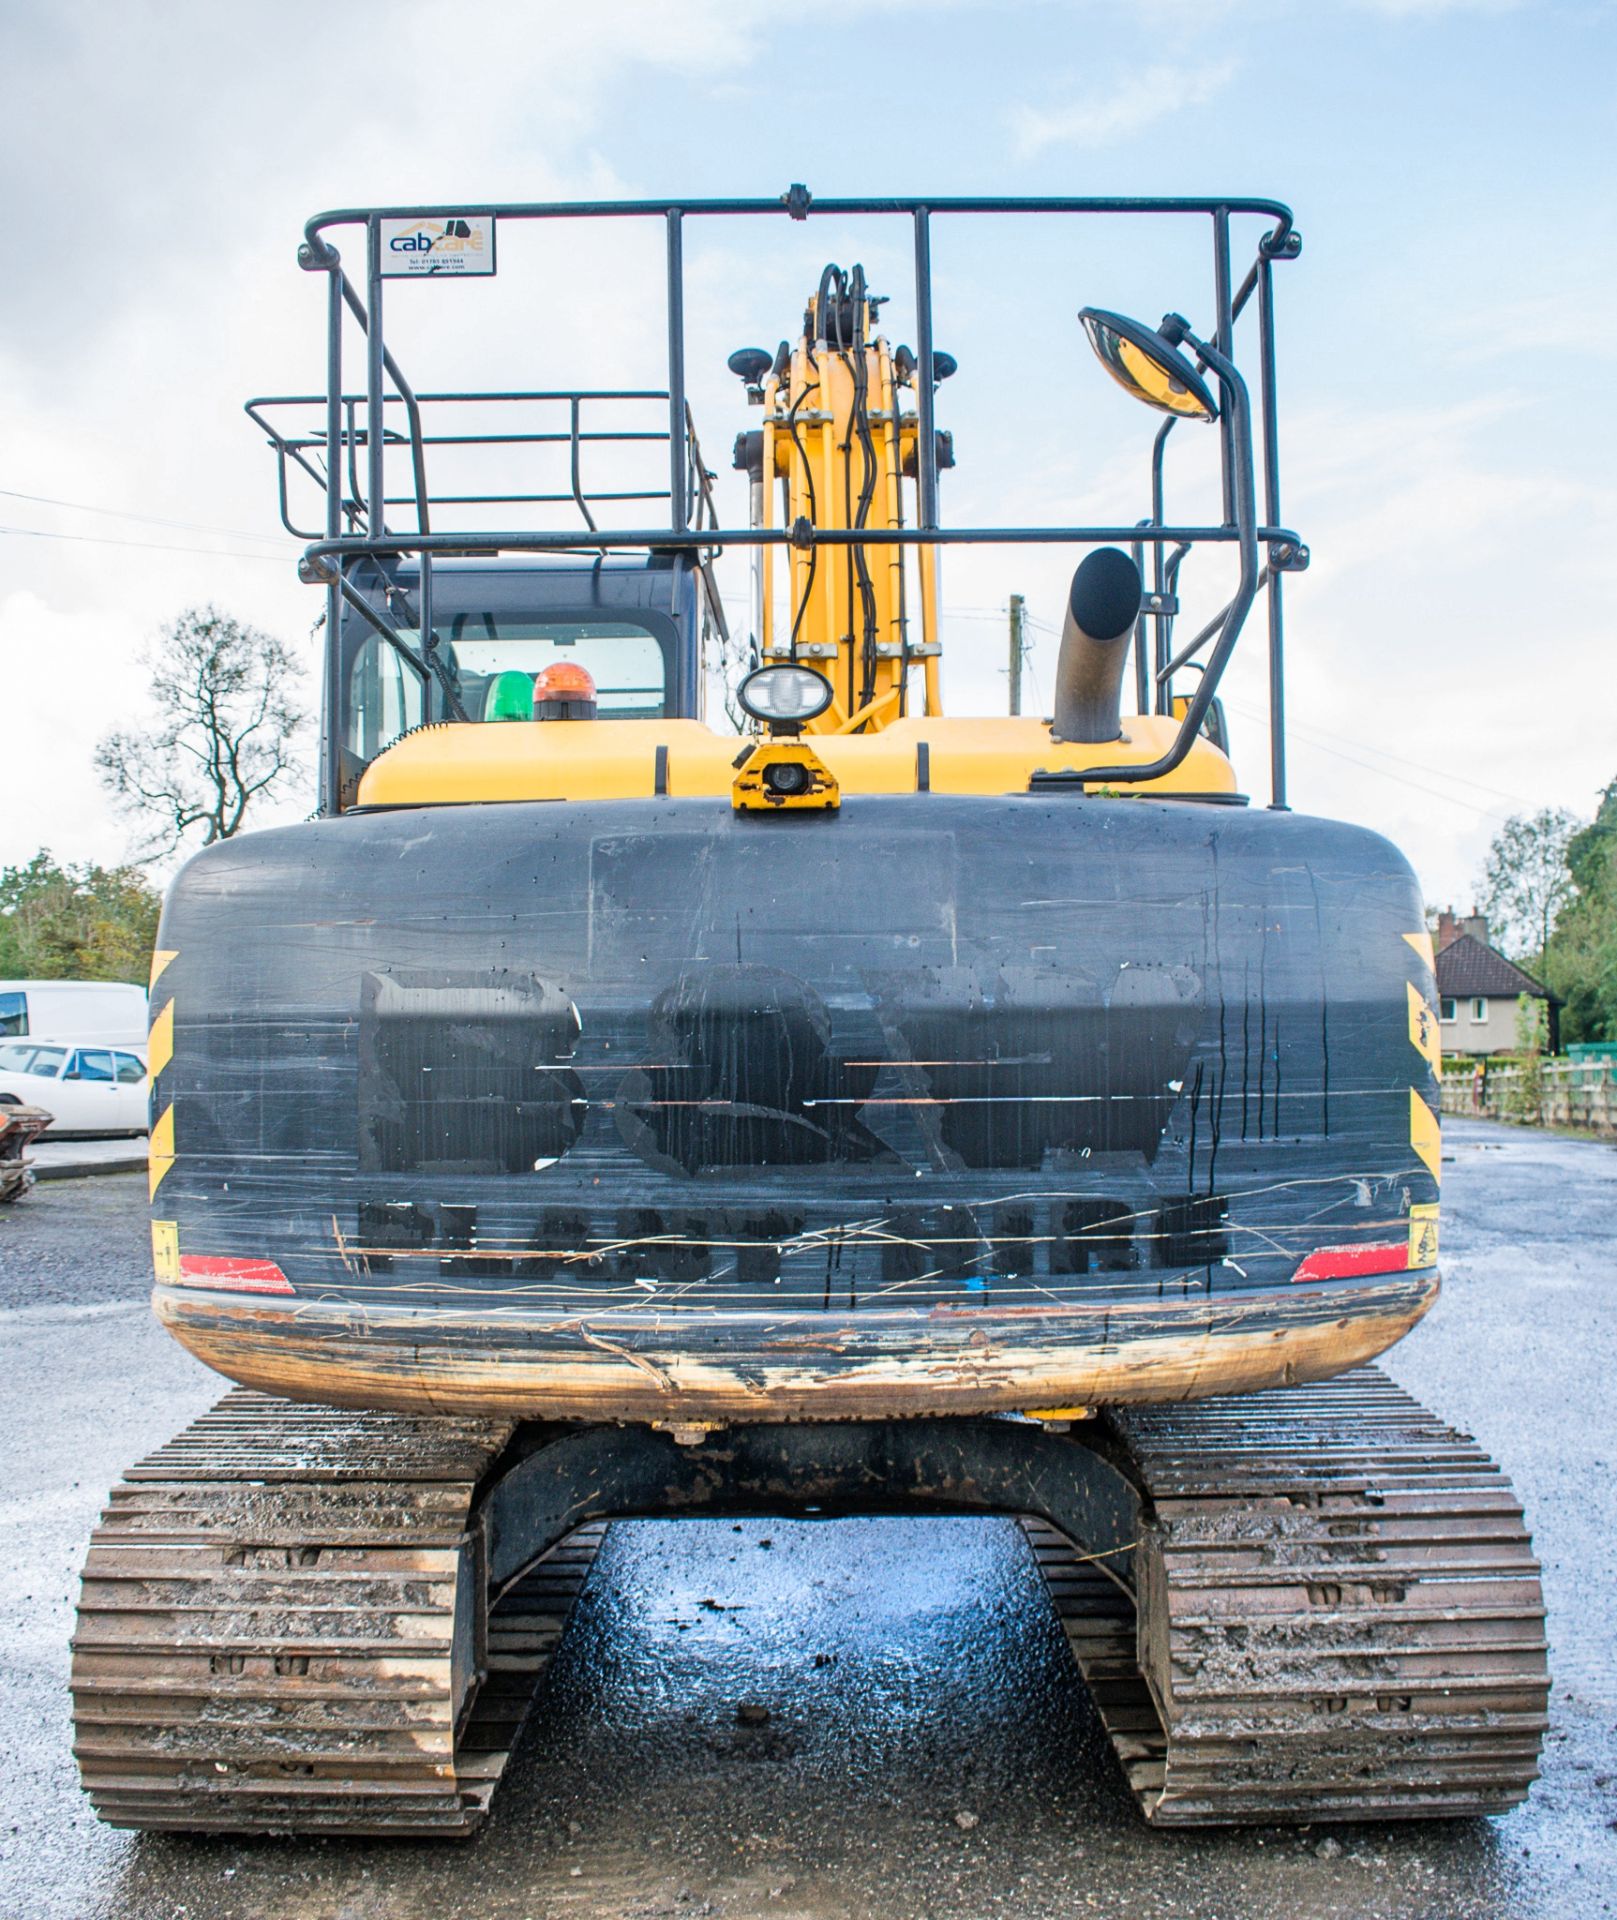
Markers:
1476,924
1448,929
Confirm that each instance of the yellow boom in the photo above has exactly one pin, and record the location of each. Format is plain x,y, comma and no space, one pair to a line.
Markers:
837,447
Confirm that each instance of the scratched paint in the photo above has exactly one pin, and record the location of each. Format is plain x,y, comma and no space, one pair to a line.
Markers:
646,1061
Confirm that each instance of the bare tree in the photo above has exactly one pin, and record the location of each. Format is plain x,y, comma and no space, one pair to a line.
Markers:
227,725
1526,880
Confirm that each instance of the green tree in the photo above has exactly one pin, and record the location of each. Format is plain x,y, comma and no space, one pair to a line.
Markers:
1526,881
227,718
75,923
1580,962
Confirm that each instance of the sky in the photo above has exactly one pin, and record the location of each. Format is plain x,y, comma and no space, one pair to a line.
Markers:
1454,176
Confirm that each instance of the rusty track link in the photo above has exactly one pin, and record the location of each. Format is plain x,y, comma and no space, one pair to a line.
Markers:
279,1628
1339,1613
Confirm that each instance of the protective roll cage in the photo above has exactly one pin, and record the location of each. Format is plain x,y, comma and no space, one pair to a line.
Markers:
357,528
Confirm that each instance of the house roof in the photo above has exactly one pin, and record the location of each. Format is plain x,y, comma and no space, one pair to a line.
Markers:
1466,969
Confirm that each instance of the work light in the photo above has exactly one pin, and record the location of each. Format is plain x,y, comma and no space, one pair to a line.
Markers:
784,697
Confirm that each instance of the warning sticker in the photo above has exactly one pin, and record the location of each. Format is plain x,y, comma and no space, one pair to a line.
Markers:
1423,1236
166,1251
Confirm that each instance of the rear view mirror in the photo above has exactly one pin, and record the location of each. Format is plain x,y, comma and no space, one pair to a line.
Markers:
1148,366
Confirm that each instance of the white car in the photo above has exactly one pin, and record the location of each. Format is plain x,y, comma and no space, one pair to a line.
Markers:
85,1089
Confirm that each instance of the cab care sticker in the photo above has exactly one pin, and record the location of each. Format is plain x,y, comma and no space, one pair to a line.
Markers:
453,243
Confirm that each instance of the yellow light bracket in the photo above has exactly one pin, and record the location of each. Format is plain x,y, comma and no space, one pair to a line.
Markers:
779,774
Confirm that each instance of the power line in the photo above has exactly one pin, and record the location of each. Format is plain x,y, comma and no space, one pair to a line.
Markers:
144,546
120,513
1386,773
1315,737
1312,736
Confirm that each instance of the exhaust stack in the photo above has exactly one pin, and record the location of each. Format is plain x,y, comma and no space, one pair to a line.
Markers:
1101,611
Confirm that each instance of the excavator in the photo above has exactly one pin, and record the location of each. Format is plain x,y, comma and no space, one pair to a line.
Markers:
595,1112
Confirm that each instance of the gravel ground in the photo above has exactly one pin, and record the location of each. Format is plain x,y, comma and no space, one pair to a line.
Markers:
929,1750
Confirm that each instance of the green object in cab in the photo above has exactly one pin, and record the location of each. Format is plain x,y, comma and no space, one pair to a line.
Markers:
509,697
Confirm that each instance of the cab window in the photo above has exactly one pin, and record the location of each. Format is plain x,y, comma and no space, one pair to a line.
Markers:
385,698
624,660
129,1070
13,1013
90,1063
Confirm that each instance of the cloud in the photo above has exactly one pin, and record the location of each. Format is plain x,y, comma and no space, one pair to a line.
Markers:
1118,112
1420,639
166,181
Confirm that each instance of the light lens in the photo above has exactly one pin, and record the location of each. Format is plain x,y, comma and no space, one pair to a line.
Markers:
788,696
232,1273
790,776
564,680
509,697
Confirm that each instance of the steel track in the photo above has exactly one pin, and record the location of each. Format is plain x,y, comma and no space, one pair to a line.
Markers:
277,1630
1339,1613
1335,1615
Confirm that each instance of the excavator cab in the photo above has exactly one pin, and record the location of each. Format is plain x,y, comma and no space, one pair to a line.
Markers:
635,627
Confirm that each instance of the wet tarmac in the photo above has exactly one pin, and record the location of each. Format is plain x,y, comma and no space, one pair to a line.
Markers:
928,1748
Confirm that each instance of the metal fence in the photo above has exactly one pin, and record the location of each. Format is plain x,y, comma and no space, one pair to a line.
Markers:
1581,1094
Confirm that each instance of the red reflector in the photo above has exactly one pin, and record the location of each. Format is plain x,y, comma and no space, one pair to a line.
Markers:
232,1273
1337,1263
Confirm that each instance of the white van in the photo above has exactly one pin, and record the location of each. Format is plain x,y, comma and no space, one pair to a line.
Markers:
107,1010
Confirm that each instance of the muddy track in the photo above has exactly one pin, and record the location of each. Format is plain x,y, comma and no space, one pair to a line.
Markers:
1339,1613
1336,1615
277,1630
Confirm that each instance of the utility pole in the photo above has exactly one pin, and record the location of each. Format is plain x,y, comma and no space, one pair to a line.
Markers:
1018,647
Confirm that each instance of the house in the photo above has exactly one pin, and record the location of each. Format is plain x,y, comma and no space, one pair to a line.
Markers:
1478,990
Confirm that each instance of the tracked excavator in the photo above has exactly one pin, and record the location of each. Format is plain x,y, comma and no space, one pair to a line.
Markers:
595,1112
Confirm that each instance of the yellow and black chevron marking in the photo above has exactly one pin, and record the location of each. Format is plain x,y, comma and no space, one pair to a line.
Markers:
160,1148
1424,1034
1422,943
1425,1135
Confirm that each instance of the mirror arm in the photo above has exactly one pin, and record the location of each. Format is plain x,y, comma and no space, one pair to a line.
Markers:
1238,411
1191,648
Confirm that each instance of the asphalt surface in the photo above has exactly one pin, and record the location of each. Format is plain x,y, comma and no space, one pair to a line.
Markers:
929,1750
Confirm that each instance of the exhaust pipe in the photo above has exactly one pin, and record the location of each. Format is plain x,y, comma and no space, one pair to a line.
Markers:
1101,611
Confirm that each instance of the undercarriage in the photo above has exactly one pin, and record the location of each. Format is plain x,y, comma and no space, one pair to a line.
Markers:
1316,1603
